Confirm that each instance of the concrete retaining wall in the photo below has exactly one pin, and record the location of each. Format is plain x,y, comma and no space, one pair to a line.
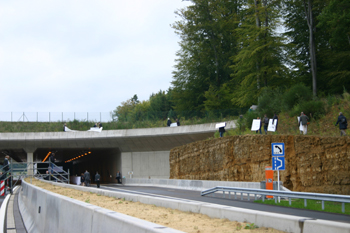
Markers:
262,219
44,211
198,185
154,164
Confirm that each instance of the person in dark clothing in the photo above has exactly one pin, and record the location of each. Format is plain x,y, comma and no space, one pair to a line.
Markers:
266,123
259,130
64,127
304,120
87,178
46,176
343,124
177,122
6,164
222,131
168,122
99,124
82,179
52,160
118,177
97,179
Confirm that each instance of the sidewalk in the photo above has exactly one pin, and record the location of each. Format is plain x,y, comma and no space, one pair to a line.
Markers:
13,219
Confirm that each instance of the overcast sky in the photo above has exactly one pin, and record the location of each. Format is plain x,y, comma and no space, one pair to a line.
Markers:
84,56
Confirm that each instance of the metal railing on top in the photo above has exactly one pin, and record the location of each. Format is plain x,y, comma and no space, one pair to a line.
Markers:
262,193
18,171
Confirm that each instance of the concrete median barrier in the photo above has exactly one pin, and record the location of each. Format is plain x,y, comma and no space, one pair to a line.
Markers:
277,221
44,211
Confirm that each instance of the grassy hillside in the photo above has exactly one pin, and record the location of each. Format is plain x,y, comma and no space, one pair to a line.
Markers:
323,125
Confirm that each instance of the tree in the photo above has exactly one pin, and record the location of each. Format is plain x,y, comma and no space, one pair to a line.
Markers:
308,9
260,61
208,40
160,104
334,20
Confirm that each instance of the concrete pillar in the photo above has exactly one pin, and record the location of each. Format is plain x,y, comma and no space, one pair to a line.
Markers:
30,159
126,163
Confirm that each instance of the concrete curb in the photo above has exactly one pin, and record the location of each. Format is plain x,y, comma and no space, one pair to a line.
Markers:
44,211
282,222
3,212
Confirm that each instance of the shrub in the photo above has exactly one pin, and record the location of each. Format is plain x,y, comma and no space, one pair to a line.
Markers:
269,102
295,95
313,107
248,118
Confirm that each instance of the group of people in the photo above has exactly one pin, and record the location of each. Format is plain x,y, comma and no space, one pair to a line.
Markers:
169,122
266,121
303,122
96,125
99,125
86,179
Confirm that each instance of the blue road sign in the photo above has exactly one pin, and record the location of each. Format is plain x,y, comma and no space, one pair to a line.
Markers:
278,163
277,149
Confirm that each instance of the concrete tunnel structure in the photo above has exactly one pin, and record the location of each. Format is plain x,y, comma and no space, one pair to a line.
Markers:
145,152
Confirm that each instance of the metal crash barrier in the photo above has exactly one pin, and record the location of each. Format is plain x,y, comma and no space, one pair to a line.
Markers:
261,193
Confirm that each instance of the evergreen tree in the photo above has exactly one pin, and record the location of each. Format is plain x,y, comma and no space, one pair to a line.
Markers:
208,40
260,61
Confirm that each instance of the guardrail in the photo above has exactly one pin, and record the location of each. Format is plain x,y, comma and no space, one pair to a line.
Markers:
279,194
17,171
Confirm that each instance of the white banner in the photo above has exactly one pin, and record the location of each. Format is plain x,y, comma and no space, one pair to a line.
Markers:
256,124
219,125
272,125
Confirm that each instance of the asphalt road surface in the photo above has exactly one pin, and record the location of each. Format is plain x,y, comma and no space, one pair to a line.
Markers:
218,199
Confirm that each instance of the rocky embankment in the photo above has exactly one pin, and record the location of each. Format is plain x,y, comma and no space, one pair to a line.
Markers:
313,164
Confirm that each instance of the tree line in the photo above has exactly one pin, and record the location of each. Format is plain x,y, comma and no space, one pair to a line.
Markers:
233,52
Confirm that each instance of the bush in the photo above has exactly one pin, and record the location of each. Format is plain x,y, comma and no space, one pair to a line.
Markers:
249,117
269,102
295,95
313,107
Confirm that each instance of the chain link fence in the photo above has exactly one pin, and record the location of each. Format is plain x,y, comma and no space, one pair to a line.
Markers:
56,116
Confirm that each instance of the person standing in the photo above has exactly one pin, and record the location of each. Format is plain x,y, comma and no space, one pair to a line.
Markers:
168,122
6,168
343,124
177,122
222,131
82,179
304,119
118,177
266,123
300,126
97,179
87,178
259,130
52,161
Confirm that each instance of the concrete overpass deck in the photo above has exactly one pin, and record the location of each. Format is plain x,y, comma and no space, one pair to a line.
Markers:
144,152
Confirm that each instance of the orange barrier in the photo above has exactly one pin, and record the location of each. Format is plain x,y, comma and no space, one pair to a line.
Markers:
269,179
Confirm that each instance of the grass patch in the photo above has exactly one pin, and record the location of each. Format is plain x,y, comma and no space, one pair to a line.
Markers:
332,207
